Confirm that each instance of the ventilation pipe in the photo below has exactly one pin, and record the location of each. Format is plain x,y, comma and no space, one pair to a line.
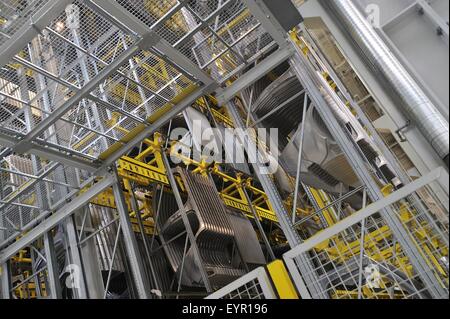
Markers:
416,106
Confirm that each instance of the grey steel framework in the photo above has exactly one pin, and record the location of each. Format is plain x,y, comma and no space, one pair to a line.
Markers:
352,269
64,125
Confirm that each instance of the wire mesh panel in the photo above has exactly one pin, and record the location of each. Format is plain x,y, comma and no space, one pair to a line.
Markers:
76,48
12,108
224,41
15,14
29,188
254,285
80,46
151,12
220,36
426,219
361,258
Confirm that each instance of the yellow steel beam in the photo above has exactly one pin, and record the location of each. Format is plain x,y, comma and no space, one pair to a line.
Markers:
282,281
154,117
140,172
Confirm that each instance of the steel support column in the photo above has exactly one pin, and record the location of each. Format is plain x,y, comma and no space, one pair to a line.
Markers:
131,245
135,207
76,268
258,224
88,250
5,280
52,267
299,161
275,199
308,77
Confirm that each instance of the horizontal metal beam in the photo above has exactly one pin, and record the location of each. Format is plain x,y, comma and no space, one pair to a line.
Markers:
49,154
58,79
256,73
37,22
27,185
24,144
55,219
18,204
169,53
175,110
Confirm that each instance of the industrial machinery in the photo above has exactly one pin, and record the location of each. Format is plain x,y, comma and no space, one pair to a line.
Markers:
235,149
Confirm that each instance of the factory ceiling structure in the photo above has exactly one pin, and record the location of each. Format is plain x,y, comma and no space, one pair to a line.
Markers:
224,149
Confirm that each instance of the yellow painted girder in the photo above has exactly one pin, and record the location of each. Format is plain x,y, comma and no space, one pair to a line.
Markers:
140,172
154,117
281,280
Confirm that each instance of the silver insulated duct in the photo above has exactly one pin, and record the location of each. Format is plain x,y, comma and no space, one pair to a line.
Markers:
415,103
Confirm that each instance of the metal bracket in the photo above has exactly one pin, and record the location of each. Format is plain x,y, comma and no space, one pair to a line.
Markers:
149,40
401,129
